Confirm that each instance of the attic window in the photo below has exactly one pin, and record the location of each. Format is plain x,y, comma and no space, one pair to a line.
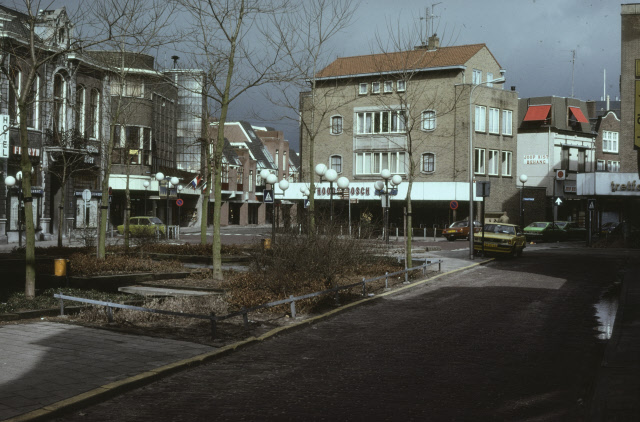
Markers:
537,113
578,115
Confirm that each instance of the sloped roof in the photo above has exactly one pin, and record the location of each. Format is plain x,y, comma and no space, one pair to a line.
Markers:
237,132
401,61
17,25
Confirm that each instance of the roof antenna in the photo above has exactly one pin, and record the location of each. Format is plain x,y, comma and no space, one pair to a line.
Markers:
175,61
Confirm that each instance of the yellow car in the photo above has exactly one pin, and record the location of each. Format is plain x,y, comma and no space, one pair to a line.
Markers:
139,226
501,239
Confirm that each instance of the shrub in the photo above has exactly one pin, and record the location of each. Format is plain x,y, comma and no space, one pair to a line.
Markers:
87,264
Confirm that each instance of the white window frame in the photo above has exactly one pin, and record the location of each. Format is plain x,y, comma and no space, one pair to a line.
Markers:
36,104
334,129
422,166
375,87
363,88
388,87
494,120
479,161
372,122
96,118
507,159
401,85
489,78
493,162
339,160
81,115
507,122
476,77
601,165
481,119
609,141
428,120
613,166
371,163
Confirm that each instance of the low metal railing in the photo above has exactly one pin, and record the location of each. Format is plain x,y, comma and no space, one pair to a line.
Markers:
245,311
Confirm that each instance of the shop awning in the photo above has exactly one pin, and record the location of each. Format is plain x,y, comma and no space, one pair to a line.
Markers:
537,113
577,113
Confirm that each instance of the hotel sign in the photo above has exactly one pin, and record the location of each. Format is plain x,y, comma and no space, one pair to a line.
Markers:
4,135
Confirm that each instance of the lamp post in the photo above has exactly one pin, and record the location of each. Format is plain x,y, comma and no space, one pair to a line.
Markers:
396,180
343,183
172,183
500,80
180,187
146,186
10,181
523,180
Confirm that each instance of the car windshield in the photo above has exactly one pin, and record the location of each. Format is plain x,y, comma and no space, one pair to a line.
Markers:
458,224
538,225
562,224
499,228
155,220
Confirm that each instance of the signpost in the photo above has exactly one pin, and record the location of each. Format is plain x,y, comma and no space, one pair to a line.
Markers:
86,197
591,207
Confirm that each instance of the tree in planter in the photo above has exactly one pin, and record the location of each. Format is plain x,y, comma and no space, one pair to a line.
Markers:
305,34
219,36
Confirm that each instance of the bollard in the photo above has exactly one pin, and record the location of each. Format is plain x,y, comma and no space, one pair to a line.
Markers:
109,314
434,232
60,267
386,280
397,233
245,318
293,307
61,304
425,233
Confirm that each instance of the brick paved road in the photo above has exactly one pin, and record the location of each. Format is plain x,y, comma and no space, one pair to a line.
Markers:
514,340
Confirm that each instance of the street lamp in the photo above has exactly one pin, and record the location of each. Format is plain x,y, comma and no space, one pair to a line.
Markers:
172,183
146,186
396,180
523,180
180,187
159,178
499,80
343,183
10,181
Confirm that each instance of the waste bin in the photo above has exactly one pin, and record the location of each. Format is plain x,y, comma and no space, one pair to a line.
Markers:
60,267
266,243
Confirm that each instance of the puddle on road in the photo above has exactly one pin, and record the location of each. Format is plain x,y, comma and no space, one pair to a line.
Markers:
606,310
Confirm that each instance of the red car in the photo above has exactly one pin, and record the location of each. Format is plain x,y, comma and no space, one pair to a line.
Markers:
460,230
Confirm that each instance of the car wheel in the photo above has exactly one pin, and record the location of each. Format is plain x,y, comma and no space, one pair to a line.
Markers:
451,238
514,252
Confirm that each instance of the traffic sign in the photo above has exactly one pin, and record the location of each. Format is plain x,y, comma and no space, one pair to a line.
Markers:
591,204
179,202
86,195
558,201
267,196
561,174
453,205
306,203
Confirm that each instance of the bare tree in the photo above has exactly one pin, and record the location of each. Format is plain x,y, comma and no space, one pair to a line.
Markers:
226,36
135,28
306,34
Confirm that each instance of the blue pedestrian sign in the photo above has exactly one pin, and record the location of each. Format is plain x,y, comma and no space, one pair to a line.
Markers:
267,196
306,203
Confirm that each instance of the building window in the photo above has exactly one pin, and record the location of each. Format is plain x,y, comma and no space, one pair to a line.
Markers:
224,177
609,141
380,122
250,181
59,97
132,88
94,114
428,120
239,178
601,165
363,89
494,163
494,120
375,87
428,162
33,104
285,165
14,94
506,163
388,87
479,161
277,159
476,77
371,163
481,119
401,85
613,166
489,78
80,109
336,125
507,122
336,163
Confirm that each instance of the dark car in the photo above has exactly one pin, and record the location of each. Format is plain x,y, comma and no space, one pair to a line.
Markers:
608,228
572,230
460,230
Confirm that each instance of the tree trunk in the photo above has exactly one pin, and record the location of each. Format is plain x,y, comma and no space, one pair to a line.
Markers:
104,217
30,244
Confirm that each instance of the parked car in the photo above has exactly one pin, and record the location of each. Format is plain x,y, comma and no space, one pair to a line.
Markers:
544,231
608,228
460,230
572,230
500,239
143,226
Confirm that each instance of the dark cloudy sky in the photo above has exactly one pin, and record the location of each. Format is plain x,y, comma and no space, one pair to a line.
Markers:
533,40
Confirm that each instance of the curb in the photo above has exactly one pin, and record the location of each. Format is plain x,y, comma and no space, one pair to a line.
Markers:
107,391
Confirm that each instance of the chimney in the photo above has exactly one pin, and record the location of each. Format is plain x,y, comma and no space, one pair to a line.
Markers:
434,42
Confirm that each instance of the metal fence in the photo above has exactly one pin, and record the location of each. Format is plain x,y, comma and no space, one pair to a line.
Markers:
245,311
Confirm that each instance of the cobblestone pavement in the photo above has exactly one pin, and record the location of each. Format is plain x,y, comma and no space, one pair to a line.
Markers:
43,363
514,340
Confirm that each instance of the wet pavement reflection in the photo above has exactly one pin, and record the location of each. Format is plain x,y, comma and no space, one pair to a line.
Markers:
606,310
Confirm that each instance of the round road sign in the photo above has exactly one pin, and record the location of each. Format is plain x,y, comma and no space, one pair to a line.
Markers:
453,205
179,202
86,195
